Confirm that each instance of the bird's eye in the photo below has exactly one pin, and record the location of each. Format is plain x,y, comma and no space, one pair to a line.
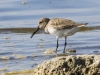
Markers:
40,22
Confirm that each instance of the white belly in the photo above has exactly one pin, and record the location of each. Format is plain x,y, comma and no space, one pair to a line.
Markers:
63,32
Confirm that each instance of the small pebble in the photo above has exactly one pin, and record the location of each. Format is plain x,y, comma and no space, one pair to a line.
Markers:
4,58
72,50
24,2
3,69
5,38
49,51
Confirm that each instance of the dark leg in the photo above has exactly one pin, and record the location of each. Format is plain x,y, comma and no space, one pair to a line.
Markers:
56,46
65,45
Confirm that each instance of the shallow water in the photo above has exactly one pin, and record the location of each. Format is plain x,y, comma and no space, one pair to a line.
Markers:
18,21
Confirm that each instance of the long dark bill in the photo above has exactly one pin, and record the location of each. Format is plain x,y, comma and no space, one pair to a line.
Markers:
34,32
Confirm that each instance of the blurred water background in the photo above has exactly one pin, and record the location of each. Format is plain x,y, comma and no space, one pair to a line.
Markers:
19,18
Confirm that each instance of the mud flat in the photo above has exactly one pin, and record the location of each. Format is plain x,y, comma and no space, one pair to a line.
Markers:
67,65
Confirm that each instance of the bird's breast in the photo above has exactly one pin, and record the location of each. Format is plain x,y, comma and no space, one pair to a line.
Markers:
55,32
52,30
62,32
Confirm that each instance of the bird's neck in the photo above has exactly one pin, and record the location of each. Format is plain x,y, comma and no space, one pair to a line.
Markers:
46,29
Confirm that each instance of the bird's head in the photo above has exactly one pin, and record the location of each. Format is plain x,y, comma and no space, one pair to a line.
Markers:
41,24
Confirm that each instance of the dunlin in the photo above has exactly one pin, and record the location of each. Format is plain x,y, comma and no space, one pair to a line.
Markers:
59,27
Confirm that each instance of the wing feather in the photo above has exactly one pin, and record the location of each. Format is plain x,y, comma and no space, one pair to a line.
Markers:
60,23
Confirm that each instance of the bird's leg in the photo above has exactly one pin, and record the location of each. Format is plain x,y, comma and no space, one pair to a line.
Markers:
56,46
65,45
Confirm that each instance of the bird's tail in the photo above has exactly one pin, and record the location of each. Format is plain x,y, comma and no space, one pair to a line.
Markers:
82,24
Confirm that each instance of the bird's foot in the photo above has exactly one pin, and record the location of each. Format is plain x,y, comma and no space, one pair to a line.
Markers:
55,51
64,51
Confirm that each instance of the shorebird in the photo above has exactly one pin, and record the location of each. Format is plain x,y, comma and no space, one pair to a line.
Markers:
59,27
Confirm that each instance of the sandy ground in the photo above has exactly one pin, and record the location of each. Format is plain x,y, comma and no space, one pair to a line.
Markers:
66,65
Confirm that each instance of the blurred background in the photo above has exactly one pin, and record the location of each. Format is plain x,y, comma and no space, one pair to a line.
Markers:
19,18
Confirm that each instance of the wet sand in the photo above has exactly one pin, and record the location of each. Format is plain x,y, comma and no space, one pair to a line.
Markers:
65,65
